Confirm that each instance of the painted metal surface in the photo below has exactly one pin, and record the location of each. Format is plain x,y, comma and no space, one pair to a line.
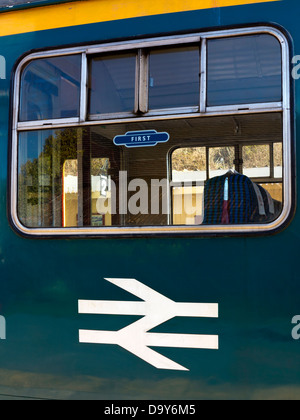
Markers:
93,11
254,280
8,5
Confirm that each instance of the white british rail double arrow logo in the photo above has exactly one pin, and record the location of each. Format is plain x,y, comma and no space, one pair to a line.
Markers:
156,309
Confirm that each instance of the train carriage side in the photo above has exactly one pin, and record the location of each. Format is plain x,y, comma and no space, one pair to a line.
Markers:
149,238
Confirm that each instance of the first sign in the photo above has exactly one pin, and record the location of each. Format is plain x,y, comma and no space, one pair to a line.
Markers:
141,138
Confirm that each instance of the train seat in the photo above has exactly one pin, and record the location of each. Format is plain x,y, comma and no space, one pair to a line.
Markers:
233,198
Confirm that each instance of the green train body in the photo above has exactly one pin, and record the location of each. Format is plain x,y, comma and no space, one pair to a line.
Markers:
114,312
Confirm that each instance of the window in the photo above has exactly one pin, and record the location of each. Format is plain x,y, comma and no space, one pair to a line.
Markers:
170,135
50,88
112,83
174,77
189,168
65,178
244,70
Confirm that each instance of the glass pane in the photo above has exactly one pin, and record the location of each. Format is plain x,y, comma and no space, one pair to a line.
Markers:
101,192
118,175
41,157
58,186
189,171
112,84
243,70
189,164
220,160
70,193
275,191
256,161
188,205
174,78
277,153
50,88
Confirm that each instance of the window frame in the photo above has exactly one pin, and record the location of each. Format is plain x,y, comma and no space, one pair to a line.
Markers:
84,119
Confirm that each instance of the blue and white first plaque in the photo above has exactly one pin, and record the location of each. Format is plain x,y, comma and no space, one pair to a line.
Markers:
141,138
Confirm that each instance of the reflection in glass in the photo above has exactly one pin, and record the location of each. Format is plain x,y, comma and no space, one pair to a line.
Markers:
188,176
174,78
112,84
50,88
78,177
189,164
277,156
256,160
64,179
220,160
245,69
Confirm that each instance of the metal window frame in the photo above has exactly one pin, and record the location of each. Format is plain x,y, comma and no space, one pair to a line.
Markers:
82,120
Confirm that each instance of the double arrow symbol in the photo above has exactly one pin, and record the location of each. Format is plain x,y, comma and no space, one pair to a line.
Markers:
156,310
